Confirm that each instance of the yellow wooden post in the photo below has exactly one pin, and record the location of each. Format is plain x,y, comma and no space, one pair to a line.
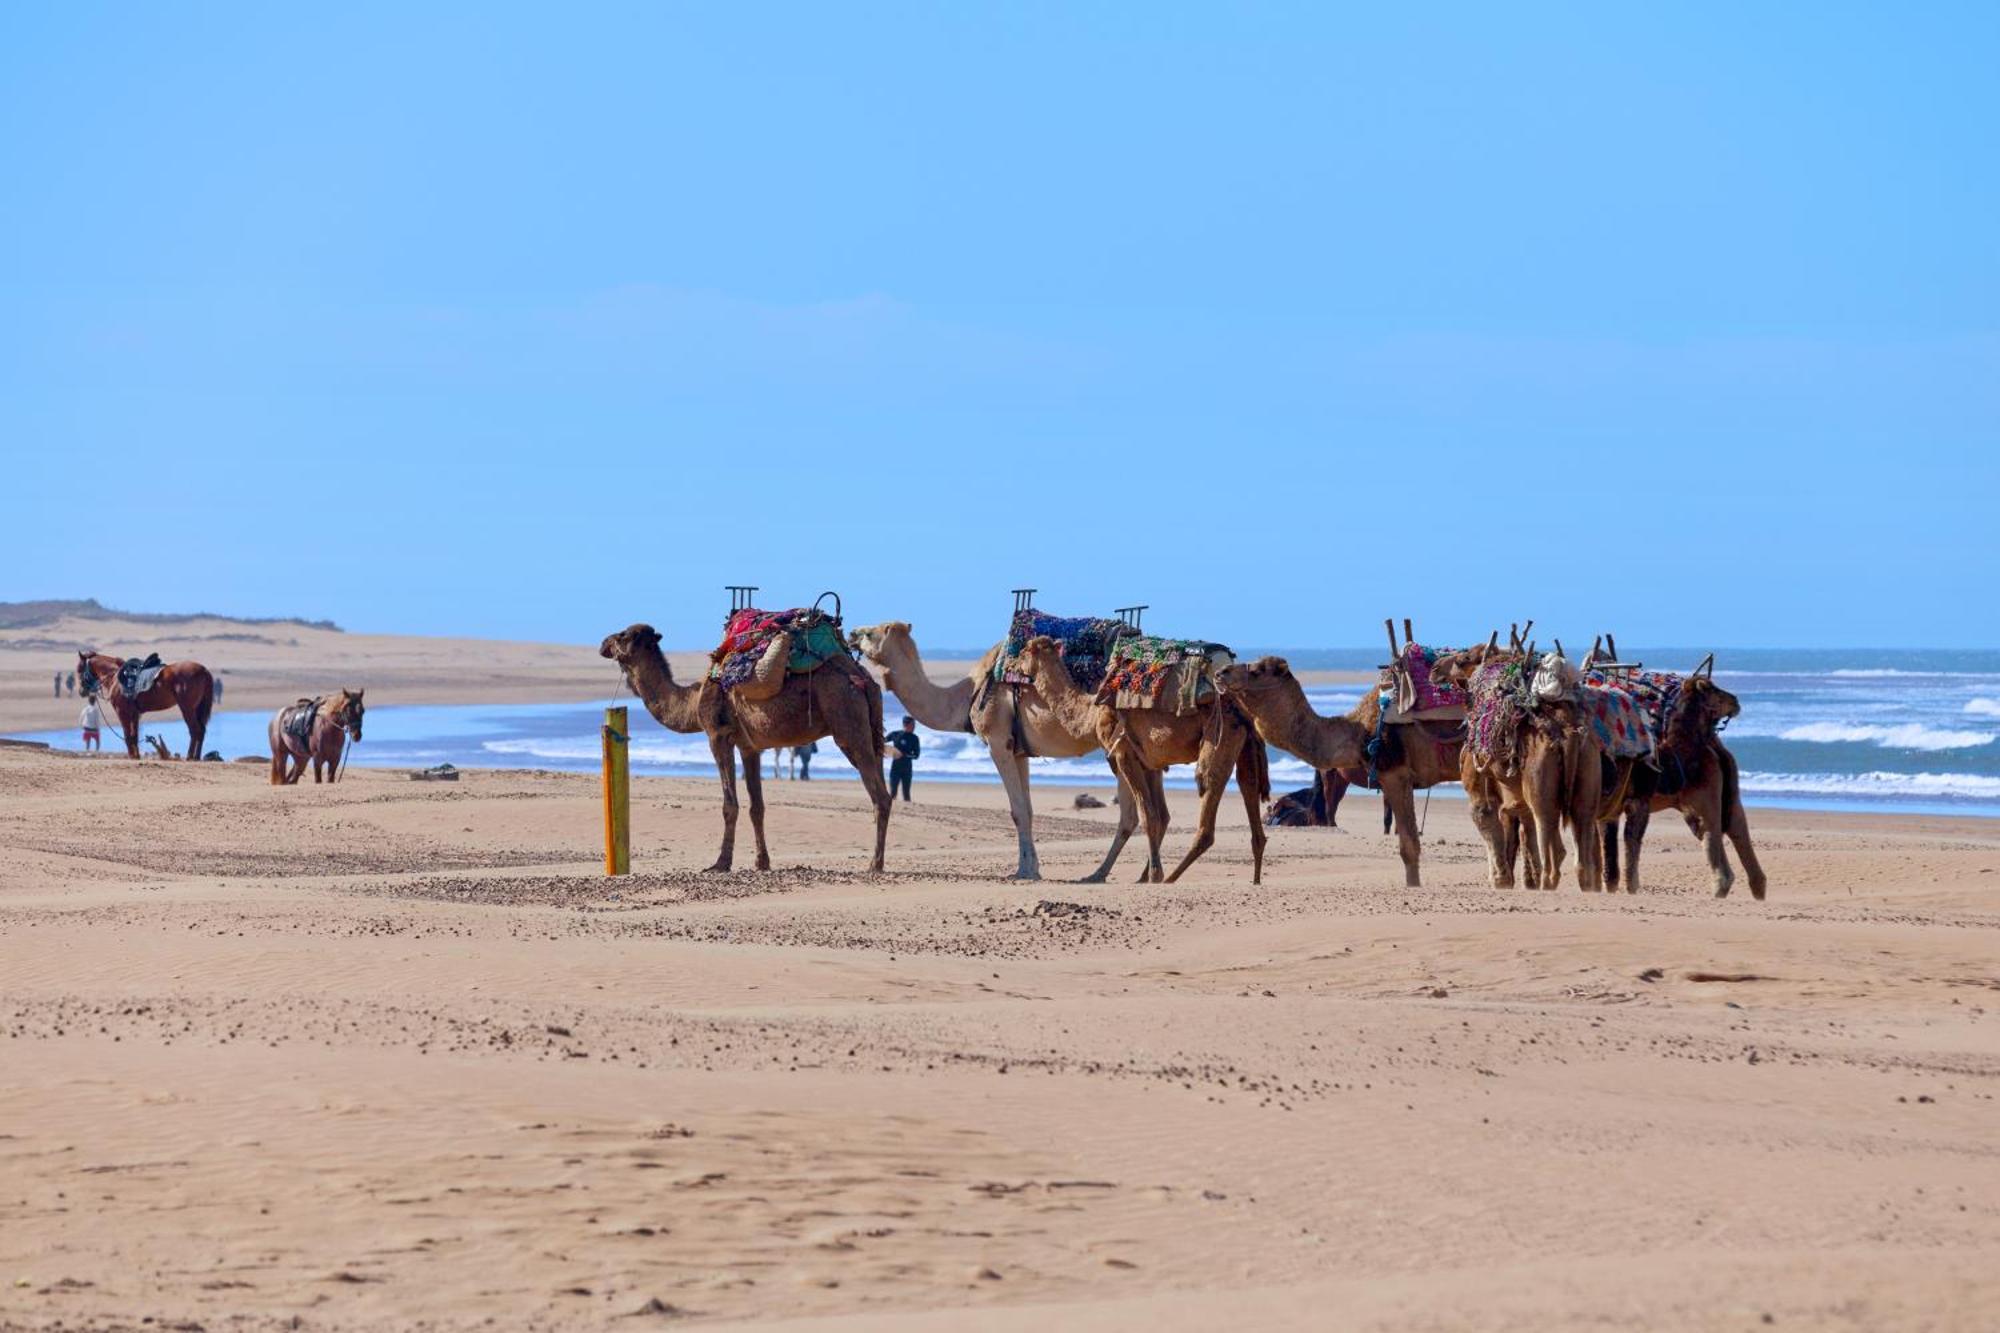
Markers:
617,794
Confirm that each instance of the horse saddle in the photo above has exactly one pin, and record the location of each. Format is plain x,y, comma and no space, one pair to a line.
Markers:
299,718
136,677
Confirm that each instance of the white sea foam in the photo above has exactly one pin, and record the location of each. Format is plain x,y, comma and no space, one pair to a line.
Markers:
1902,736
1983,707
1976,786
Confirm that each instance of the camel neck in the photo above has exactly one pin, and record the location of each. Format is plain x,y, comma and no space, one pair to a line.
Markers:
1074,710
672,705
939,707
1289,722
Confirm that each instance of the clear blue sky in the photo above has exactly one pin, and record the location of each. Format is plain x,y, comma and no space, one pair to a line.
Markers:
531,321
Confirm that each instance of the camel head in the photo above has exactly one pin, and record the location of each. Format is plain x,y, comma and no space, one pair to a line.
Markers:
1461,665
1037,655
873,641
347,711
1708,703
625,646
1255,678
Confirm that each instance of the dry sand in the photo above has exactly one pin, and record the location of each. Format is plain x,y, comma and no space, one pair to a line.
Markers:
395,1055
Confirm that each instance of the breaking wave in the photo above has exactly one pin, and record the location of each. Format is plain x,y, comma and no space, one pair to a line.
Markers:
1863,786
1902,736
1983,707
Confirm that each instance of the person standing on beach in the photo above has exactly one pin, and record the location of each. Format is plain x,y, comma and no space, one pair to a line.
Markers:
69,683
903,766
93,722
218,689
58,684
804,754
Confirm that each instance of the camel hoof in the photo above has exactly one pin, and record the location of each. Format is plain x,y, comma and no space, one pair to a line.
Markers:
1757,892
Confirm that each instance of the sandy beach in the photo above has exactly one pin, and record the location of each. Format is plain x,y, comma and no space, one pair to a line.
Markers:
391,1055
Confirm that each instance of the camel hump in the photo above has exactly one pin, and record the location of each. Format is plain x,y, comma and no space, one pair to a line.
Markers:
768,676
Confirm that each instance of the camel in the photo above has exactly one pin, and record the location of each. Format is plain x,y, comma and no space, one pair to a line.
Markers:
336,718
1014,721
183,685
1141,742
1276,702
1696,776
1557,774
839,700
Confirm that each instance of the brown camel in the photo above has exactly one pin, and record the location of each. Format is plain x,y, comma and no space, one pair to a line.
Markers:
1276,702
183,685
1215,737
1015,722
1550,771
336,719
1696,776
839,700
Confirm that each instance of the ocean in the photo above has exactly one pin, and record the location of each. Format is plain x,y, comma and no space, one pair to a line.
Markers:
1914,731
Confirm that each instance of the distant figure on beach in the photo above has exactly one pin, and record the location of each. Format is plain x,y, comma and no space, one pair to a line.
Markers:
804,754
69,683
93,723
58,684
903,766
218,691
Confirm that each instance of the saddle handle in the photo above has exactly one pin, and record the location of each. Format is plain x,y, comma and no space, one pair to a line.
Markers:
836,603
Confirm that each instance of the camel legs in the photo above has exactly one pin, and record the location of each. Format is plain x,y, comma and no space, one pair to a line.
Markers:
1500,841
1583,795
1739,827
1400,795
725,767
1013,770
1705,822
1151,794
1128,820
1211,777
753,783
863,748
1253,805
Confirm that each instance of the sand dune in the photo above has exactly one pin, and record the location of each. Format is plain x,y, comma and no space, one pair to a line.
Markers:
396,1055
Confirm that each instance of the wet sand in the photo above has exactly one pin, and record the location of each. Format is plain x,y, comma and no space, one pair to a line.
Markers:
397,1055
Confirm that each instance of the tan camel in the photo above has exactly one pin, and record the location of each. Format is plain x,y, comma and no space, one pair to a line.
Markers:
839,700
1696,776
1015,721
1276,702
1142,742
1555,775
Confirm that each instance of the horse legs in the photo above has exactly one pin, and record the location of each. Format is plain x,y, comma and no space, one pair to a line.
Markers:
196,719
1399,794
753,783
863,750
1128,820
129,723
725,768
317,764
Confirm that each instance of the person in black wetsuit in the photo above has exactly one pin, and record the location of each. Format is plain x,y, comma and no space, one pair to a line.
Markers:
903,766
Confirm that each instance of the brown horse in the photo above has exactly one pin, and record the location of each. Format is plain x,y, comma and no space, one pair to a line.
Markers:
335,718
183,685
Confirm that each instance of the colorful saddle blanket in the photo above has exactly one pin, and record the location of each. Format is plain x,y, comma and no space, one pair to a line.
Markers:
1408,690
747,634
1501,697
1149,672
1628,711
1085,642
